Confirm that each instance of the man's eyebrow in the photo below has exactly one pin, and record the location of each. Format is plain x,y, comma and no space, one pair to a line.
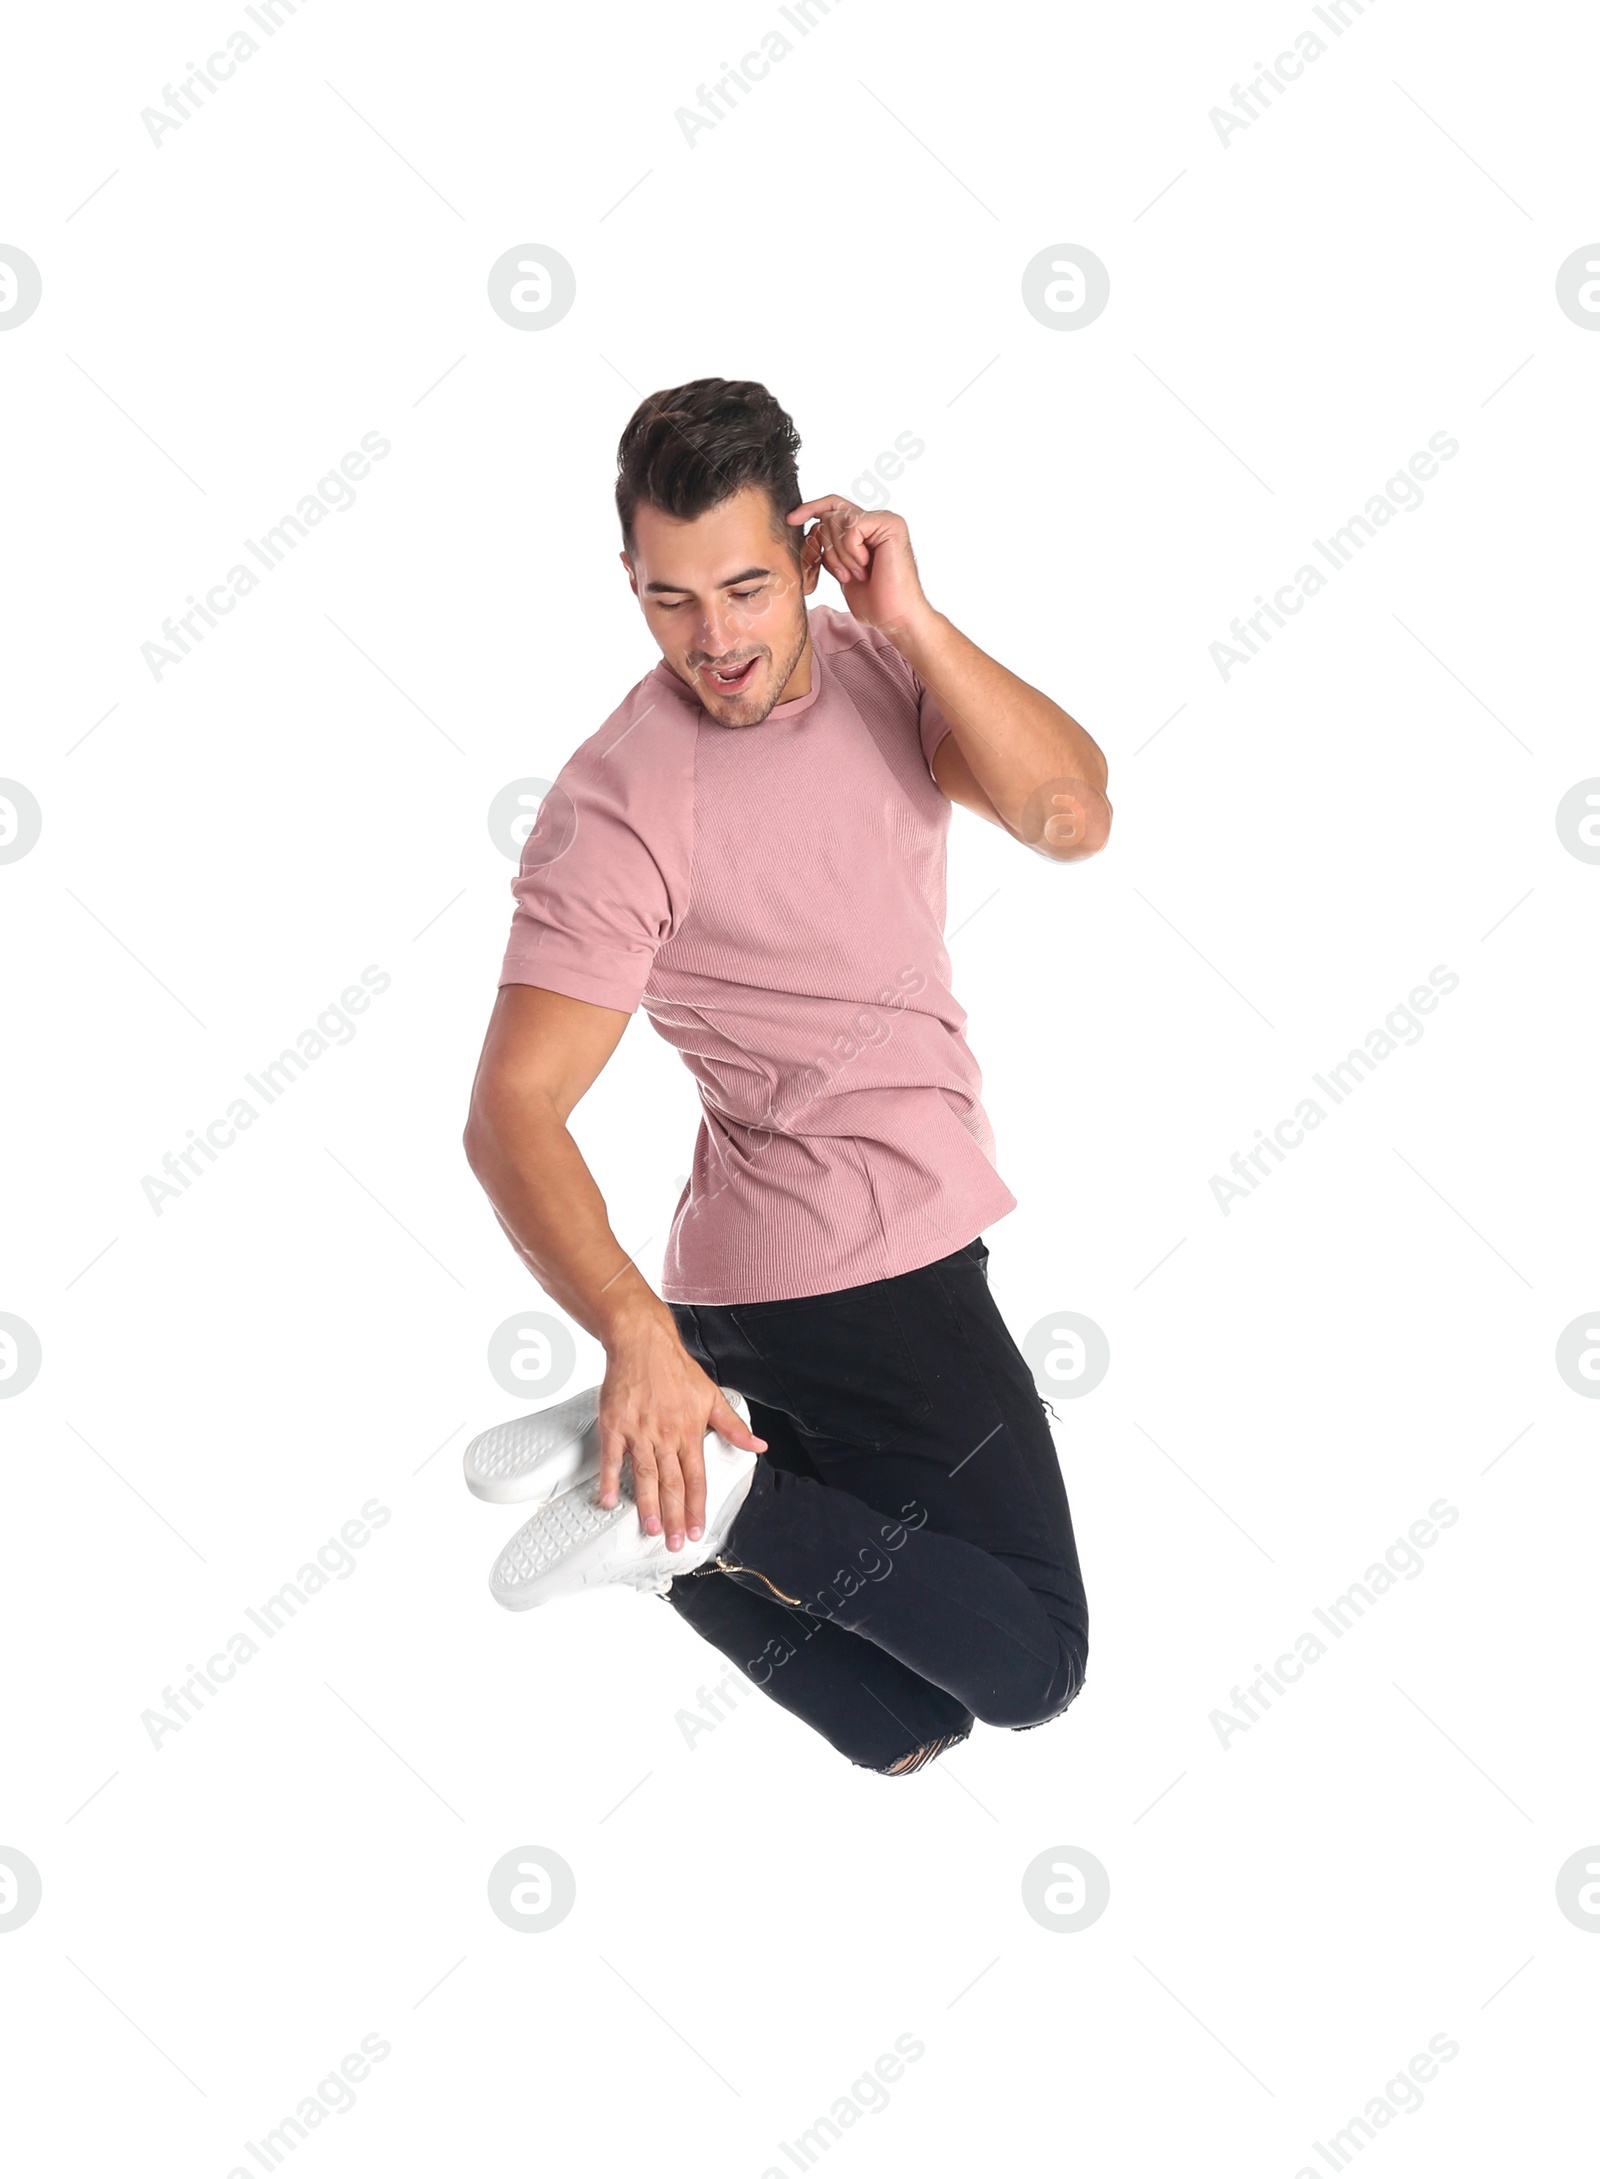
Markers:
746,575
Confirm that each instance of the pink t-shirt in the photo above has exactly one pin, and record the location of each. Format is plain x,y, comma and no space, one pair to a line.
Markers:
773,896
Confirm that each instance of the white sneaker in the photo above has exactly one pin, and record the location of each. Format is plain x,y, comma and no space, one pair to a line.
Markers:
576,1543
537,1455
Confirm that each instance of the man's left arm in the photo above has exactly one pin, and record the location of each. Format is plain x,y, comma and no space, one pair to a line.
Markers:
1012,755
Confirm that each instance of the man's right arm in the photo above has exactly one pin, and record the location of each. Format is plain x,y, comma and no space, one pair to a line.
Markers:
542,1053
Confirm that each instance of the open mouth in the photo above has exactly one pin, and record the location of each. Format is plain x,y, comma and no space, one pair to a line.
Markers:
729,681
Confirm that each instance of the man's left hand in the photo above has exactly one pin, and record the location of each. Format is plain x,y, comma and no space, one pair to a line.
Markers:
868,553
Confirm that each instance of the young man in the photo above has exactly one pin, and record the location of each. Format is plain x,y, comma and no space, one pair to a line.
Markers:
752,848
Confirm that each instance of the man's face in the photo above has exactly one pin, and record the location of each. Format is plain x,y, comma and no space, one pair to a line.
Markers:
725,591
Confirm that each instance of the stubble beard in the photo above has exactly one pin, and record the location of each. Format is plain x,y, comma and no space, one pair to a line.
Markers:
746,711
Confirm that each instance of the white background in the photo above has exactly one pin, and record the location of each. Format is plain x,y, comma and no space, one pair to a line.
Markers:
1292,315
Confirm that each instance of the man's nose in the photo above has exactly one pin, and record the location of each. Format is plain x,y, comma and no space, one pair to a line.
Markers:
721,630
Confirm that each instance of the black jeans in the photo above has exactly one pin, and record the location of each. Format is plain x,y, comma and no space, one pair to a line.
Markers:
905,1560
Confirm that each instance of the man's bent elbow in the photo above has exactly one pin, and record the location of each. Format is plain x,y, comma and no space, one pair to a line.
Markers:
1066,820
481,1139
509,1113
1096,823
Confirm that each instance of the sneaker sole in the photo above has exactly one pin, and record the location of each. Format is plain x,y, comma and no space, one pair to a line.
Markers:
563,1549
551,1539
533,1458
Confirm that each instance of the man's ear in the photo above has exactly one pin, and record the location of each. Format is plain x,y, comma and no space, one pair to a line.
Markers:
810,568
633,580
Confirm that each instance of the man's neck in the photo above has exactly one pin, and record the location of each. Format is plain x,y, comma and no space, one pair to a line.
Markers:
799,682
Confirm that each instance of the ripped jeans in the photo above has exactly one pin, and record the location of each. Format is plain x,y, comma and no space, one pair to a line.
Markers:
904,1562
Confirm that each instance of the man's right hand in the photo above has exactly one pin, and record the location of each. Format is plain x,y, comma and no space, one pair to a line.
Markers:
656,1405
541,1054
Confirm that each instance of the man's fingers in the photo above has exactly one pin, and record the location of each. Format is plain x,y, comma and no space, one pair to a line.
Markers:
830,503
667,1462
842,534
692,1462
836,559
612,1447
646,1494
844,551
856,549
672,1493
728,1423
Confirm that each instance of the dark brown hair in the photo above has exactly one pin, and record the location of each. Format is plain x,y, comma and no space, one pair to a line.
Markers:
691,447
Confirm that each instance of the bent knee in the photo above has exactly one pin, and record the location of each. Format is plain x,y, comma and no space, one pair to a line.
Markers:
1018,1709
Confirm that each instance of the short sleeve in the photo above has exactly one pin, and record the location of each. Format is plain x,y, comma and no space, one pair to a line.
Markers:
603,879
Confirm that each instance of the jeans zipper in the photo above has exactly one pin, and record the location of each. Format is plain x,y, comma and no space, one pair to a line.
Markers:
772,1585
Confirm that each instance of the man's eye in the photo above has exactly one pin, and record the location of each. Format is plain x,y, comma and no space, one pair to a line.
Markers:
742,595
